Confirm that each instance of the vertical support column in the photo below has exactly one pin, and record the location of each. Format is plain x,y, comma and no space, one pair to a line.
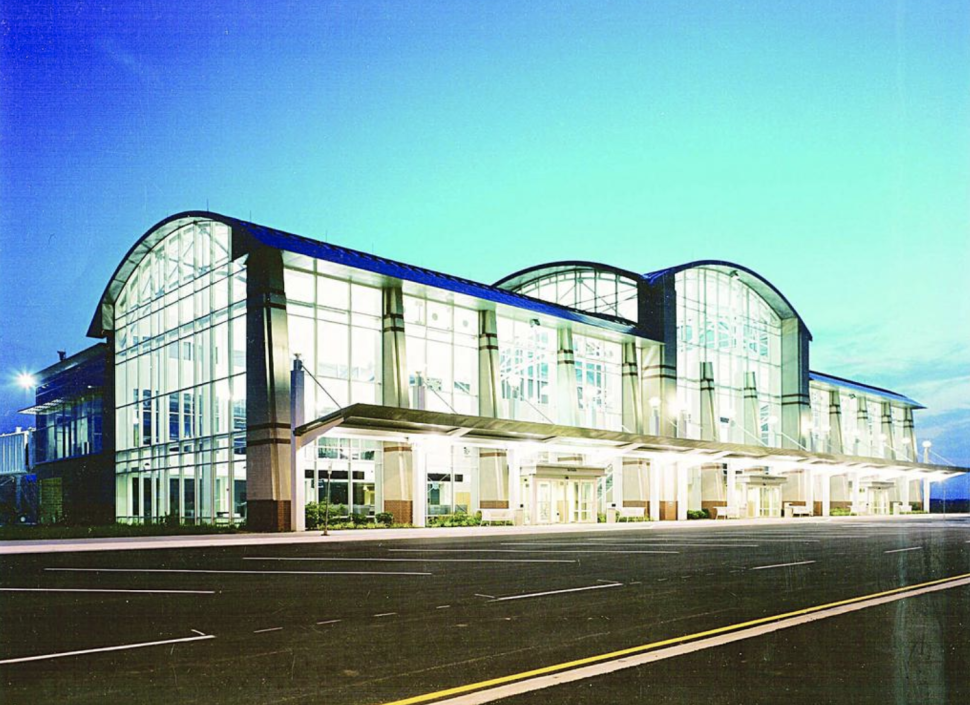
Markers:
731,494
826,494
658,383
635,490
493,479
397,481
886,438
864,444
903,484
630,389
680,478
489,389
751,412
835,421
909,434
268,474
656,485
297,453
709,419
796,407
926,495
516,501
566,400
809,488
419,459
395,388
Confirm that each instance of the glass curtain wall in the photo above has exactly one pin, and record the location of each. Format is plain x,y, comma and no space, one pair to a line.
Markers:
180,375
442,355
335,328
527,366
587,289
450,473
598,383
723,321
352,466
69,430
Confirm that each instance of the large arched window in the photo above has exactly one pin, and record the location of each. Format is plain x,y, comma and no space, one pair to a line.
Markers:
584,288
723,321
180,379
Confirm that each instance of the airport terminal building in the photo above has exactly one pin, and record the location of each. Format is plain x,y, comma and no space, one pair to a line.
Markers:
246,366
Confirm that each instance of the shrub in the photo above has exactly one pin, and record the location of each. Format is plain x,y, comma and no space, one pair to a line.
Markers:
840,512
385,518
698,514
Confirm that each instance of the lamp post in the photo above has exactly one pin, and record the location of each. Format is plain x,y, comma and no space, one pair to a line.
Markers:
655,415
326,509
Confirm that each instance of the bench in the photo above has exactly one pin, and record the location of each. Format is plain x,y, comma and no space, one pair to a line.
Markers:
902,508
630,512
490,516
799,510
726,513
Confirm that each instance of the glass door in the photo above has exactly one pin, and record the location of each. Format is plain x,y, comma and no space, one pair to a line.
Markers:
543,502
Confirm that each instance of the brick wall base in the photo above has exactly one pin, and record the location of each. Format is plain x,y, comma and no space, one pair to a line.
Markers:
494,504
400,509
268,515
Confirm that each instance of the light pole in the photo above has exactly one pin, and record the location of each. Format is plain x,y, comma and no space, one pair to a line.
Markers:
655,415
326,509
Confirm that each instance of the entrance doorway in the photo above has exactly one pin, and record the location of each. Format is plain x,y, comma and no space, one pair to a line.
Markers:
565,501
764,501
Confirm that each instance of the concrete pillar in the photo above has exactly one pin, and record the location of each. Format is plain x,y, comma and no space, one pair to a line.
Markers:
835,422
683,496
809,488
655,489
888,442
751,411
864,443
709,418
635,483
615,473
796,406
903,484
419,460
268,472
297,454
516,500
395,387
489,383
658,381
567,403
909,435
493,479
630,390
826,494
926,495
731,493
398,482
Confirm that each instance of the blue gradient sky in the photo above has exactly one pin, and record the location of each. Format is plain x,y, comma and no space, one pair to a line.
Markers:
823,144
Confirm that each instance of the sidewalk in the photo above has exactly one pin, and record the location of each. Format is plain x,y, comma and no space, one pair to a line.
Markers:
354,535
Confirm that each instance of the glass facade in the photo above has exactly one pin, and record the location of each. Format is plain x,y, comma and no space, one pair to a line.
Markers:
352,467
180,381
69,430
442,355
723,321
335,328
527,366
586,289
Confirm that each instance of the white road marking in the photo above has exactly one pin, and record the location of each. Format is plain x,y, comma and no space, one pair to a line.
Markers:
442,607
633,543
899,550
122,647
556,592
198,632
585,672
329,621
153,592
386,614
232,572
416,560
271,629
512,550
478,594
781,565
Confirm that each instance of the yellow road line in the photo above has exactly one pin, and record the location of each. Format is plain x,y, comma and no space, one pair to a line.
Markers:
427,697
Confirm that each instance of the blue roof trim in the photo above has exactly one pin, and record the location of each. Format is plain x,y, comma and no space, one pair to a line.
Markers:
859,386
361,260
298,244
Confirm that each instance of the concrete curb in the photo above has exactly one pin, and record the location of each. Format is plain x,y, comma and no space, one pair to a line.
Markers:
357,535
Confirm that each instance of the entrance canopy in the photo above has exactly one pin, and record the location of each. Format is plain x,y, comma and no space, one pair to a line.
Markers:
390,423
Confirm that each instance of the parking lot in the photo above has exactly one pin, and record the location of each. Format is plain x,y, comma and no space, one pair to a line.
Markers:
428,619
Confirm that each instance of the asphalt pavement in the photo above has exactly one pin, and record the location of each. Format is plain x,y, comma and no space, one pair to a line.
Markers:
385,621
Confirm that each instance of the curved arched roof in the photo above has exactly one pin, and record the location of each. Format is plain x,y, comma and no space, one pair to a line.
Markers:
764,288
523,276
